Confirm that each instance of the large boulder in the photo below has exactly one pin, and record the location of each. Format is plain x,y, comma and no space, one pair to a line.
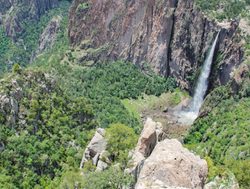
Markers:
150,135
148,138
95,148
172,166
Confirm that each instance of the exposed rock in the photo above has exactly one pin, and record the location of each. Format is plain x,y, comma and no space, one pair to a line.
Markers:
101,165
172,166
48,37
96,146
12,91
150,135
229,182
171,36
241,79
148,138
14,12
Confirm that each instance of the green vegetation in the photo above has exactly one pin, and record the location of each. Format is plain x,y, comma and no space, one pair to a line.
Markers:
55,106
5,45
121,139
82,6
60,106
43,136
105,85
21,51
225,9
112,178
224,136
151,103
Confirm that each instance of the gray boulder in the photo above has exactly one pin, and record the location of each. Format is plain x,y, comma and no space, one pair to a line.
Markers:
172,166
96,146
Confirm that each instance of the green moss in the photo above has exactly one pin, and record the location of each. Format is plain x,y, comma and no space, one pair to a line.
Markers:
82,7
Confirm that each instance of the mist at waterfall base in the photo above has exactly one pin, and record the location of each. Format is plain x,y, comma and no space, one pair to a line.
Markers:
188,116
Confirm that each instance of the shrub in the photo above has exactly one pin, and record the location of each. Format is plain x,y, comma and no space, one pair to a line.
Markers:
121,139
113,178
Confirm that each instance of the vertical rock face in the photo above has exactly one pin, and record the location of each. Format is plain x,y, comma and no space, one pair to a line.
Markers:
171,36
14,12
48,37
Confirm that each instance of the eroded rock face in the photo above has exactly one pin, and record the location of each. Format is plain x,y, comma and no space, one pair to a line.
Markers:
148,138
48,37
171,36
151,134
14,12
172,166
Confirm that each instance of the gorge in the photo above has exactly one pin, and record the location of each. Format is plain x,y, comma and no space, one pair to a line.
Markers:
114,94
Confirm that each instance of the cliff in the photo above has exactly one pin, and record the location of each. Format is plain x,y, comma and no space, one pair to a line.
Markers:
171,36
14,13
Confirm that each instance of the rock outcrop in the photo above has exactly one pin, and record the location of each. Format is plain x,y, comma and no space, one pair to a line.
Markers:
48,37
13,90
163,163
150,135
171,36
14,12
95,149
172,166
228,182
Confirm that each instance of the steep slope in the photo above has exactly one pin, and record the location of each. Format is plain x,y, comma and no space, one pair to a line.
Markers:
171,36
41,130
26,27
14,13
224,136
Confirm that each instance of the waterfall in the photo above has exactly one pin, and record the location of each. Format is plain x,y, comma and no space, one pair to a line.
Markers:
188,116
202,84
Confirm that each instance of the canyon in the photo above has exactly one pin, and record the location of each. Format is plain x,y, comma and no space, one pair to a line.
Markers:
134,94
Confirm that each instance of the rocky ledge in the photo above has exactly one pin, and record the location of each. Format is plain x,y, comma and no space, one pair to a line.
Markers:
156,162
164,163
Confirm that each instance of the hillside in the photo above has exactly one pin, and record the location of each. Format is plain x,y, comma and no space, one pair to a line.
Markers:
94,94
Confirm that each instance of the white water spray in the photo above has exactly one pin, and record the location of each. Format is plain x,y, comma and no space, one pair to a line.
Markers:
190,115
202,84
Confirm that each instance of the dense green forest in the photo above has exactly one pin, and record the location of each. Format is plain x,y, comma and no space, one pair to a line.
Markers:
45,133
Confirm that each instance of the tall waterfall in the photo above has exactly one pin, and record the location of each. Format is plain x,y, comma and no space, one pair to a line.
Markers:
202,84
188,116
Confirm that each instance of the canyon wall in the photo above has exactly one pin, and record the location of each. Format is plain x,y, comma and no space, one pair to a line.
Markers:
170,36
14,12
